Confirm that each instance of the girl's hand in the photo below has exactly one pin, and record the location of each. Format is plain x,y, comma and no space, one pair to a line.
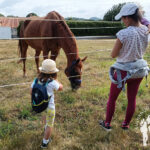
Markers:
149,28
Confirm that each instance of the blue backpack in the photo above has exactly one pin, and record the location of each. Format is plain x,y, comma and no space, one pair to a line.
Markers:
39,99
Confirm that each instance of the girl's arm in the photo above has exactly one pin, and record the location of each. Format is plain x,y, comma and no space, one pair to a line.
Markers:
116,49
146,23
149,28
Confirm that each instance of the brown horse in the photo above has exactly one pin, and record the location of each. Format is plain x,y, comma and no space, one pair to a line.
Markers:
57,29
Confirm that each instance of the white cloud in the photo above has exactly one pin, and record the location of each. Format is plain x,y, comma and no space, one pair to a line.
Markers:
67,8
1,1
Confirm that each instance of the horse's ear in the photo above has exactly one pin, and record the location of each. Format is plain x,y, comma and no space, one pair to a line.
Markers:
84,59
77,61
66,72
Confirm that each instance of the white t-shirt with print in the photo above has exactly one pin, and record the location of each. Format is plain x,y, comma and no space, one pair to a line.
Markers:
51,87
134,43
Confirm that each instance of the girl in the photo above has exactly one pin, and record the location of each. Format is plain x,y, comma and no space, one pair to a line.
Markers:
48,71
130,67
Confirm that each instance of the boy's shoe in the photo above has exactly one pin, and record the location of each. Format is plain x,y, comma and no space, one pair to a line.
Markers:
125,126
105,126
43,145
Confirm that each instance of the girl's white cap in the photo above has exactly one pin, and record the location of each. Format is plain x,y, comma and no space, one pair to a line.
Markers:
48,67
127,10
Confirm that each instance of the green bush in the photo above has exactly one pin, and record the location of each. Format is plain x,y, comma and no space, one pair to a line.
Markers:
25,112
7,128
67,98
94,32
3,116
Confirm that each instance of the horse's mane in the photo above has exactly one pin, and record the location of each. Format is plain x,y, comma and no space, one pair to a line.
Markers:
63,28
61,24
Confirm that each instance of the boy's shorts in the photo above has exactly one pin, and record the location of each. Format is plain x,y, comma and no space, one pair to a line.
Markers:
50,117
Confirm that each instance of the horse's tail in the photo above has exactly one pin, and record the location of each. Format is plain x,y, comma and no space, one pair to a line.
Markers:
19,28
20,33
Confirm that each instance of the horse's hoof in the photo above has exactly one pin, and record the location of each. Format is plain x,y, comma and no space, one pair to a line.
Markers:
19,61
24,75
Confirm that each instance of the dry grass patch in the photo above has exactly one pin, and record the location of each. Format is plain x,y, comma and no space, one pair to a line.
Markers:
77,113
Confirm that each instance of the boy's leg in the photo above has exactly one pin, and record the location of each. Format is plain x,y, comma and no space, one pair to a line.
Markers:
44,119
47,133
50,117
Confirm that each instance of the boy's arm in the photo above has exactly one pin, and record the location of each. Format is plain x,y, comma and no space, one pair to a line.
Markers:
60,86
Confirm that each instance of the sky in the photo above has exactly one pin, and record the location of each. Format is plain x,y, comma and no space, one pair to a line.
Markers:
67,8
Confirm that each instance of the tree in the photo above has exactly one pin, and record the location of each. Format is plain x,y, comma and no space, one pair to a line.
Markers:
1,15
31,14
110,15
12,16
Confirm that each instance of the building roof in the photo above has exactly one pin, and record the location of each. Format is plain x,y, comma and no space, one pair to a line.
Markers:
12,22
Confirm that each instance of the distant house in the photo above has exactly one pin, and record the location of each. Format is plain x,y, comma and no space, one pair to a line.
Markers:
8,26
12,23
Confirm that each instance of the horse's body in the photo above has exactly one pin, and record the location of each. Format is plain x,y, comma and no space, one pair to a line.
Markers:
51,28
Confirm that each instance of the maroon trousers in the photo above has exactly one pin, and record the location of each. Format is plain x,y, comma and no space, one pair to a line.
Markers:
132,89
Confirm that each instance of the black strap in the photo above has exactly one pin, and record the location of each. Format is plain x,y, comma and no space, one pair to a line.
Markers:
36,80
48,81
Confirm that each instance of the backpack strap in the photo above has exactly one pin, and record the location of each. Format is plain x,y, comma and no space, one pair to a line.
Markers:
36,80
44,84
48,81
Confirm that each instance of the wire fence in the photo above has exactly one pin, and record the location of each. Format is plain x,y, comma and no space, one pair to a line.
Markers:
39,38
51,38
33,57
44,19
25,83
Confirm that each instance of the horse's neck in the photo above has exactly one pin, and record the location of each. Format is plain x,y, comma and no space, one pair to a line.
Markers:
68,44
71,50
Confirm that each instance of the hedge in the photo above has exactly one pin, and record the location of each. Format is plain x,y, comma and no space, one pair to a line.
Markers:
94,32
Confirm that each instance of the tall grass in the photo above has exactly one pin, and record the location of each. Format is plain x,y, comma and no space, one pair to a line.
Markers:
77,113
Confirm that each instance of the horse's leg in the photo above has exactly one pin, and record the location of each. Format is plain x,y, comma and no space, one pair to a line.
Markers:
45,54
54,54
23,56
37,53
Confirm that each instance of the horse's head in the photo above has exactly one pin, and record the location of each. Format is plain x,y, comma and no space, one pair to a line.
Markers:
74,72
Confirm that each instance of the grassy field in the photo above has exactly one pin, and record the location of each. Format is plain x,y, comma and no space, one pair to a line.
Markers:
77,113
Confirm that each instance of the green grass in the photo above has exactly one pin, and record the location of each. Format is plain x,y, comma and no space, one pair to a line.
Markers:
77,113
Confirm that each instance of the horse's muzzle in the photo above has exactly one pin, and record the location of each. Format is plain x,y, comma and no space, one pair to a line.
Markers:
76,84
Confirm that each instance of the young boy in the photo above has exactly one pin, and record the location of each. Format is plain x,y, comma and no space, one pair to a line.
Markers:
48,71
